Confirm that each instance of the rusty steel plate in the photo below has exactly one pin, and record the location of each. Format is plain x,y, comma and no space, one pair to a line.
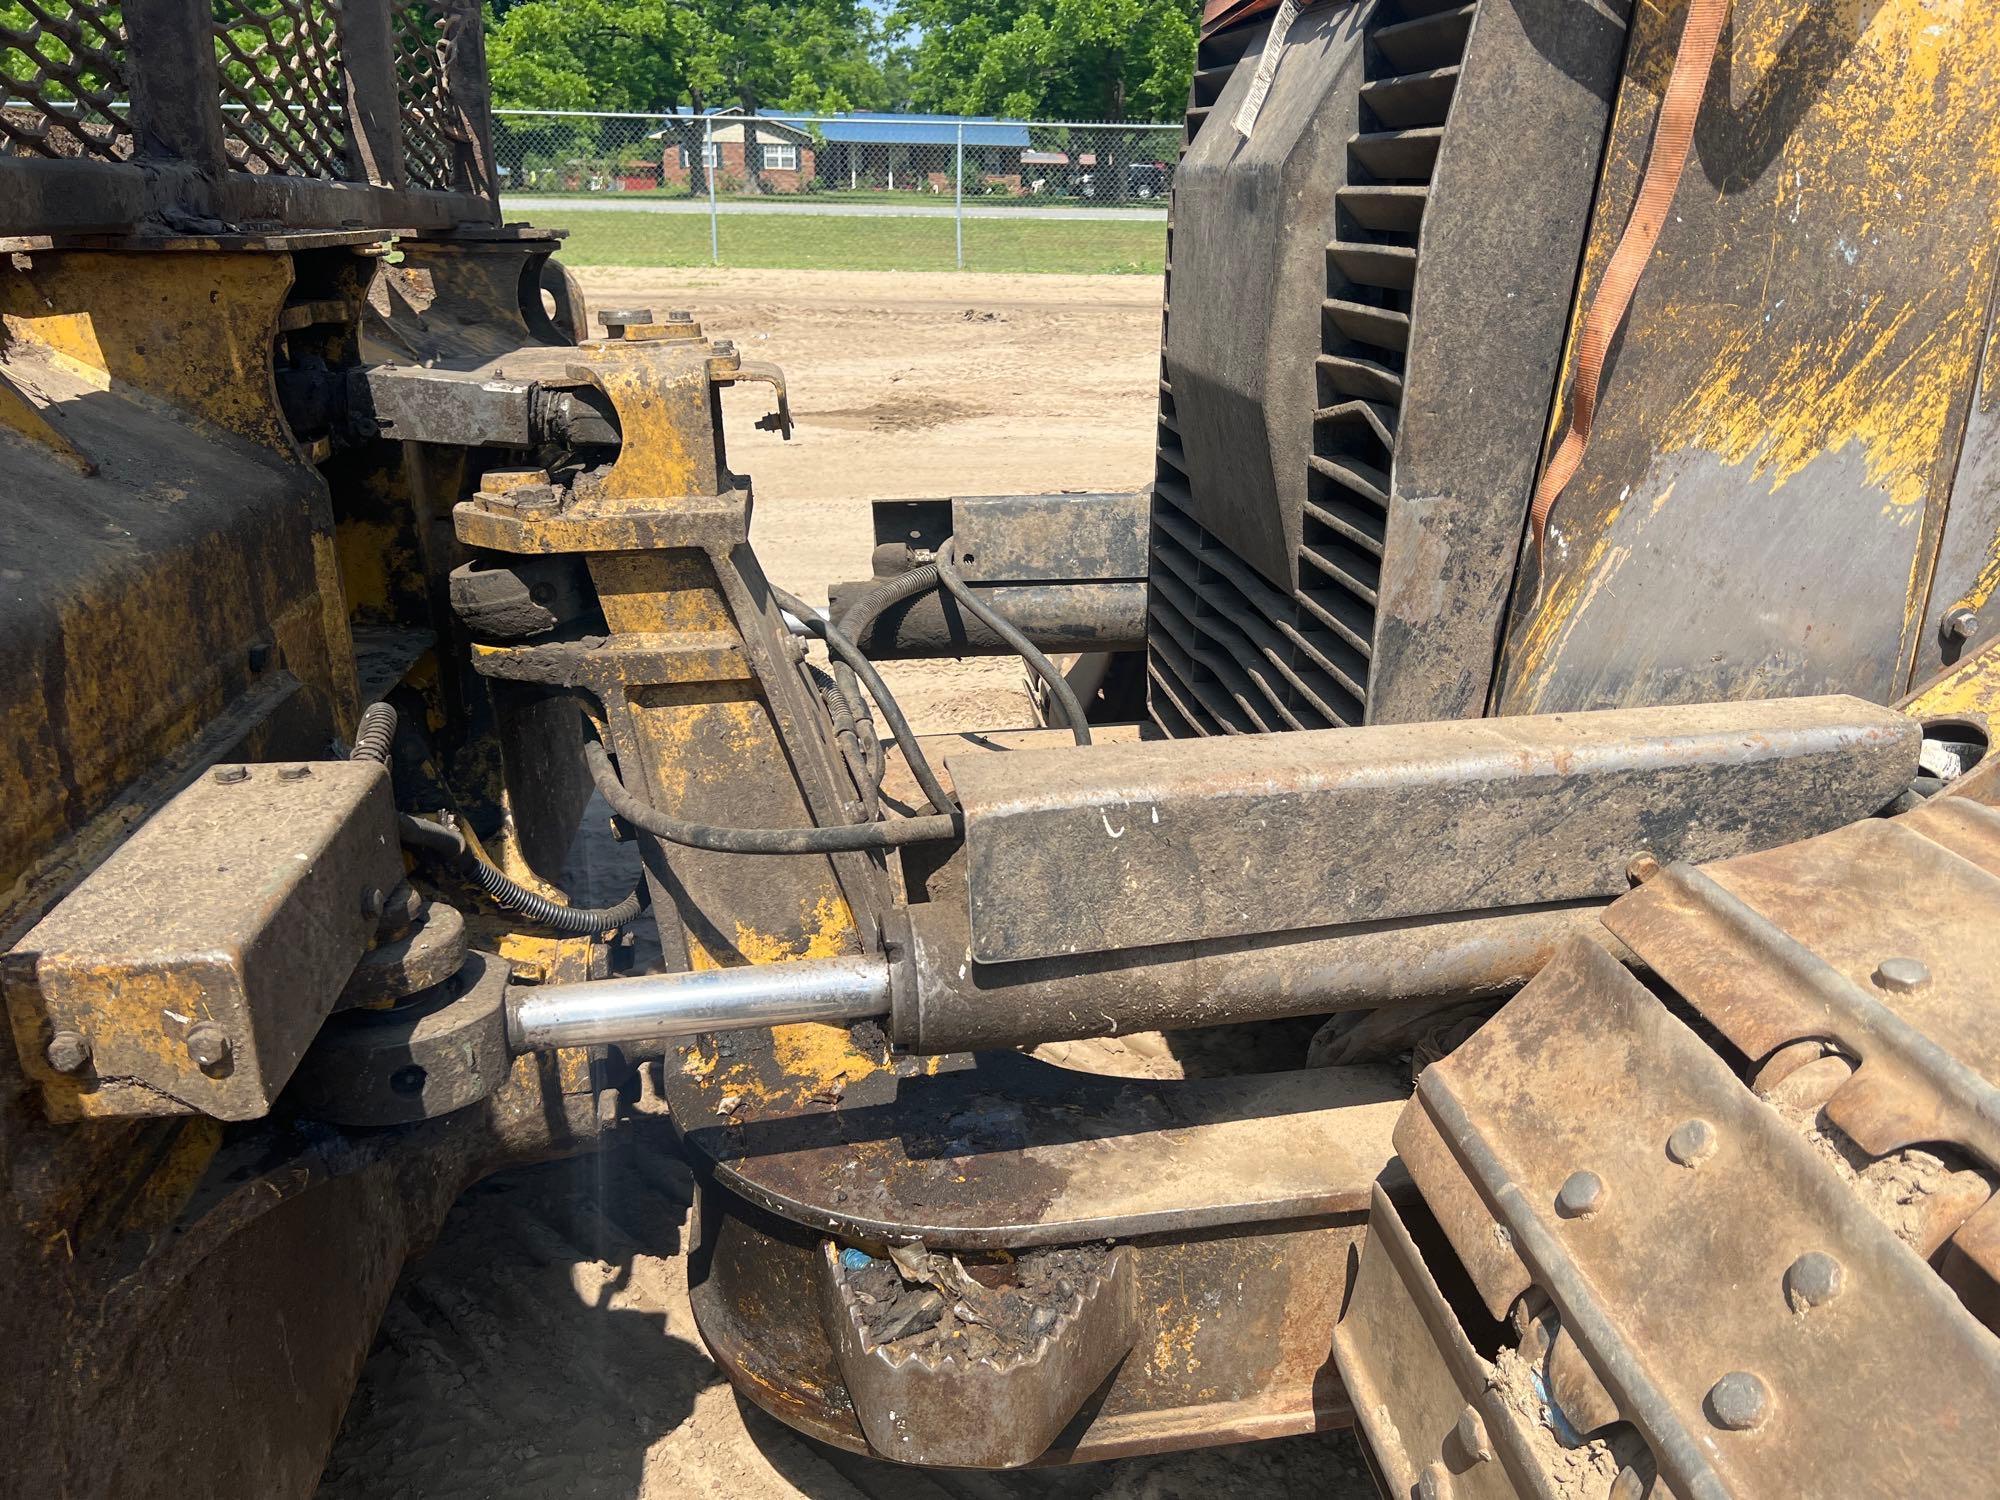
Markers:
1883,937
1130,846
1001,1150
196,964
1672,1279
1423,1397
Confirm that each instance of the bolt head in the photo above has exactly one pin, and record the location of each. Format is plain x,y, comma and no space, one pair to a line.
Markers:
1642,867
1470,1430
230,775
679,315
1739,1402
295,773
1901,975
1960,624
373,902
1581,1194
1434,1483
260,657
68,1051
208,1046
1692,1142
1813,1280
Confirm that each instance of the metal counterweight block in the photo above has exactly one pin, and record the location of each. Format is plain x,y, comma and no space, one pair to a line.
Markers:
190,971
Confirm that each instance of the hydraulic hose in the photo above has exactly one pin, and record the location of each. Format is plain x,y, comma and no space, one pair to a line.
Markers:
842,646
372,740
946,569
836,839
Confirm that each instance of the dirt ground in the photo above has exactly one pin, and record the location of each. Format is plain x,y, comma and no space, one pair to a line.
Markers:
544,1347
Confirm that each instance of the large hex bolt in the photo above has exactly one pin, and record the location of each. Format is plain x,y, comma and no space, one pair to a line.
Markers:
68,1051
1960,624
208,1045
1901,975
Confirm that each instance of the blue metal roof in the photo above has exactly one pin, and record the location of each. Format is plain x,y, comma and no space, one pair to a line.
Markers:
923,130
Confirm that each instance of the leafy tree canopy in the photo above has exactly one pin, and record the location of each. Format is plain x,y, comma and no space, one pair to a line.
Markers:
813,56
1051,59
1046,59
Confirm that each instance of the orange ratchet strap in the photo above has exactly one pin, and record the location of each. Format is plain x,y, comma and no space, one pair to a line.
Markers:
1673,134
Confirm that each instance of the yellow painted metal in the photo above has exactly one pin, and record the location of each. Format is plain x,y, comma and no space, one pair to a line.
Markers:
1796,370
139,408
1967,693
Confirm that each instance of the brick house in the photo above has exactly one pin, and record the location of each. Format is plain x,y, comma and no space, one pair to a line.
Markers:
784,153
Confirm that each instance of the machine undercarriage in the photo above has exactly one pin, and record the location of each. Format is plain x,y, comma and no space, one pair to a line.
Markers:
1640,874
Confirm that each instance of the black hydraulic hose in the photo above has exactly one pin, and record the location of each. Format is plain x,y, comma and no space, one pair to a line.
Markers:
842,646
847,734
856,619
375,734
946,568
372,739
836,839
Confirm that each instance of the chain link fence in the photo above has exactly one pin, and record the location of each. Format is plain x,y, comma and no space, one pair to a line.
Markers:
841,192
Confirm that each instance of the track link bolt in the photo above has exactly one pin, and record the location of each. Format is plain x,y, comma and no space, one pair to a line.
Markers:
208,1045
68,1051
1692,1142
1738,1402
1435,1483
1581,1195
1470,1429
232,775
1901,975
373,902
1813,1280
1642,867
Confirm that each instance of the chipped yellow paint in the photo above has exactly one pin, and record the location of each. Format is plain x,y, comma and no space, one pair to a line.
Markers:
658,396
22,418
193,332
1557,616
1968,692
821,1059
1173,1346
1884,161
168,1187
1861,383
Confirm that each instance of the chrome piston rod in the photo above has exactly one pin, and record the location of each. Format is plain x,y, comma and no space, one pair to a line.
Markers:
649,1007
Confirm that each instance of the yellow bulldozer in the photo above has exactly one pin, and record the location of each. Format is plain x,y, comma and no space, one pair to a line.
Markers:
1549,652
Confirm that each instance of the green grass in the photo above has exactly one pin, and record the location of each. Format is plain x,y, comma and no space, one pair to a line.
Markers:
832,243
855,195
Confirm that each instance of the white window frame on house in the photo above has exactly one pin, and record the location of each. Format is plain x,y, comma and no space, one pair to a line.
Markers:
708,149
781,156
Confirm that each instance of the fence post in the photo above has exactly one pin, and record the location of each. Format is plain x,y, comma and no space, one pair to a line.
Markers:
958,177
711,162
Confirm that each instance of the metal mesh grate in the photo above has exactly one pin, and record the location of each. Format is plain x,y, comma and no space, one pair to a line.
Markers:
423,90
282,92
61,76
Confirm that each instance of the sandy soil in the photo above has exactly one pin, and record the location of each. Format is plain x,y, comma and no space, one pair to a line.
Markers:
544,1347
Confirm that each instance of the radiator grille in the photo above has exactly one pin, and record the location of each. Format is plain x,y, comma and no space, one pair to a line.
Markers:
1229,652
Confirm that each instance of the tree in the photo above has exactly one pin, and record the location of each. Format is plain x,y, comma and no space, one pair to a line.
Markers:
1052,59
811,56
